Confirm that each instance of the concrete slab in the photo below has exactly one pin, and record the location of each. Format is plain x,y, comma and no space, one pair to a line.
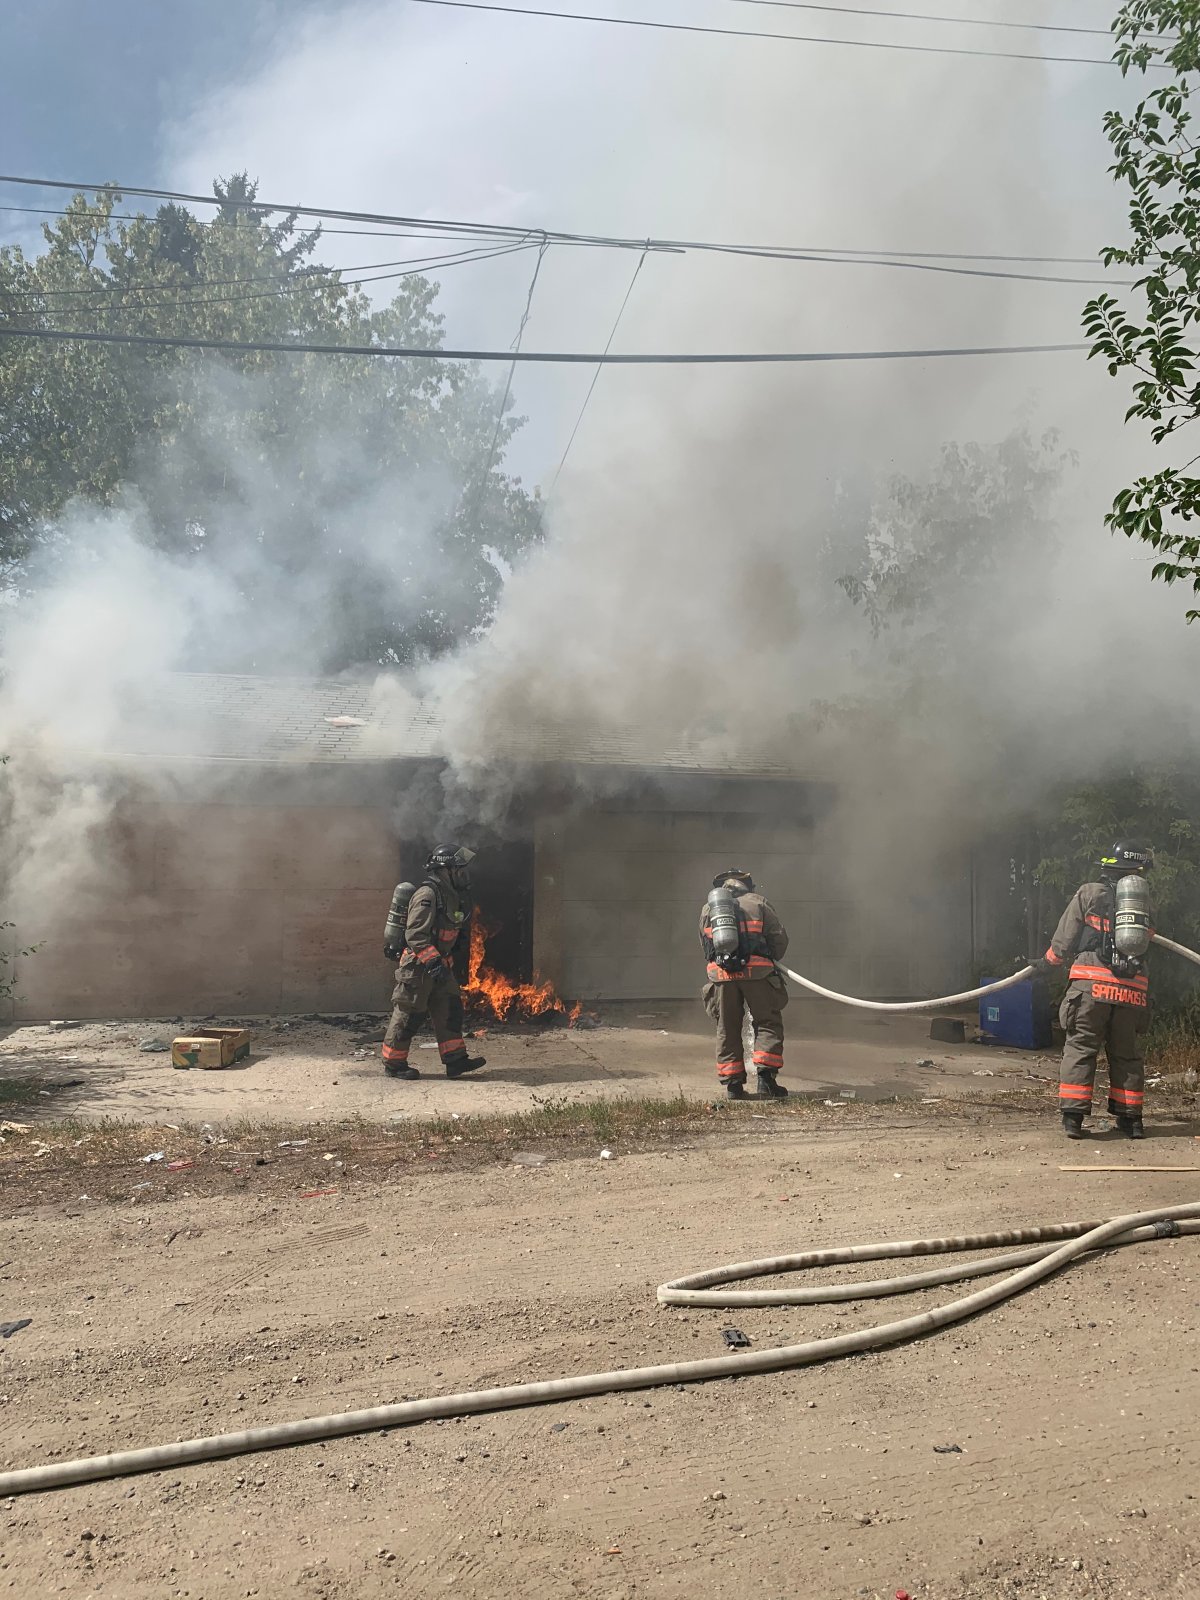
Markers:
303,1069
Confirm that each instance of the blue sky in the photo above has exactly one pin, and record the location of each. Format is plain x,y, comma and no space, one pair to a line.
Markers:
382,104
86,88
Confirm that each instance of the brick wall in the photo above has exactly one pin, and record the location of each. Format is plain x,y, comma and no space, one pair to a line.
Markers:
228,907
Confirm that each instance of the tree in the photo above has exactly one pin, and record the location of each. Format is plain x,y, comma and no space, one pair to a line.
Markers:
927,558
356,492
1158,159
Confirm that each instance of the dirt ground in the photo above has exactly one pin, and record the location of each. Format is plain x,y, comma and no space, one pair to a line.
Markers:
1076,1407
310,1068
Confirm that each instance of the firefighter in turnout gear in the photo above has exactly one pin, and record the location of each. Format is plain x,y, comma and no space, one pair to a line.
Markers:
426,986
742,940
1101,941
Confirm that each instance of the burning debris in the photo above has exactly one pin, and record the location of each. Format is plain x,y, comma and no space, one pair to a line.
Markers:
491,995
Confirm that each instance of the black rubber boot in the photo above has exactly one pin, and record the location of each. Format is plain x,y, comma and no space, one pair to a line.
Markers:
769,1087
459,1066
1131,1127
1073,1124
396,1071
735,1089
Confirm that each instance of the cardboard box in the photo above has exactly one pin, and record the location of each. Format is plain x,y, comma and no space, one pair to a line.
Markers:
210,1048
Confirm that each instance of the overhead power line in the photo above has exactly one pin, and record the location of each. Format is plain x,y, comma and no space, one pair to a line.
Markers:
466,229
926,16
641,261
516,234
315,276
559,357
508,382
750,33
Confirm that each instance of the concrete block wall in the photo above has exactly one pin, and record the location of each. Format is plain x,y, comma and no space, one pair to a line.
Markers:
618,896
220,907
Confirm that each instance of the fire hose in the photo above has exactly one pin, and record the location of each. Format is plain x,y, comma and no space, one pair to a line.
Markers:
1040,1260
1040,1257
954,999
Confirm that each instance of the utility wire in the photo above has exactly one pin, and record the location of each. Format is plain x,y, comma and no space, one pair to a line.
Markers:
595,375
268,294
926,16
749,33
316,275
554,357
450,229
425,225
516,350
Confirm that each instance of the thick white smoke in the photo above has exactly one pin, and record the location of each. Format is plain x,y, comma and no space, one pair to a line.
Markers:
687,587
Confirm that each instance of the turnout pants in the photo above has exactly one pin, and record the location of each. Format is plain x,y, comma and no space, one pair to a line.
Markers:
1091,1026
727,1003
419,998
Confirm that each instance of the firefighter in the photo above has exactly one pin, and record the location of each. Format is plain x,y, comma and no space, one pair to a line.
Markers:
743,939
426,986
1106,1005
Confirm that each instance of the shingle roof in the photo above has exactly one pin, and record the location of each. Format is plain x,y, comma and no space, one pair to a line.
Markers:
238,717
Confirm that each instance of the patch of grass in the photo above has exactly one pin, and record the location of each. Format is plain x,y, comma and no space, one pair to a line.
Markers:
72,1161
18,1091
1173,1046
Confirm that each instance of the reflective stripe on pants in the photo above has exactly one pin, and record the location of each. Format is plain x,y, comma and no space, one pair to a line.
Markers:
1093,1025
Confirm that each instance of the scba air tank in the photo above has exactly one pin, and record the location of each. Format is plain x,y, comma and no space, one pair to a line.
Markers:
723,920
397,917
1131,917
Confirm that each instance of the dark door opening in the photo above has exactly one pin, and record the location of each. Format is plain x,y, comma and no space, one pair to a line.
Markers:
502,880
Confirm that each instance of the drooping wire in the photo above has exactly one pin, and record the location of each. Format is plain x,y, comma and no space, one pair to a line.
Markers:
595,375
508,383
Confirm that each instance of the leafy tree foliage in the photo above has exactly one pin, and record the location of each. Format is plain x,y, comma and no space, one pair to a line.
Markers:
1157,158
359,488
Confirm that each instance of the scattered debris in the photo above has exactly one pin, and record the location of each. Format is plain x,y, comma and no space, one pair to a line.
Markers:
14,1127
842,1103
560,1427
926,1063
155,1155
982,1072
154,1047
345,722
735,1338
947,1449
529,1158
606,1155
59,1027
293,1144
7,1329
178,1166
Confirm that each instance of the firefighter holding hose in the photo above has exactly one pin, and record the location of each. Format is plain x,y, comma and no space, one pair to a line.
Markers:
743,938
1102,939
426,925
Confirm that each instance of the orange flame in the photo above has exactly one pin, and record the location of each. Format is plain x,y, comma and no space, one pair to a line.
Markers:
507,1001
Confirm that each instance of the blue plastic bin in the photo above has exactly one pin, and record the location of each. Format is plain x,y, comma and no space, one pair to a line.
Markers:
1019,1016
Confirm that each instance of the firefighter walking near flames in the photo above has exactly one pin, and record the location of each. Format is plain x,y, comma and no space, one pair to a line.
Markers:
1104,935
425,927
743,938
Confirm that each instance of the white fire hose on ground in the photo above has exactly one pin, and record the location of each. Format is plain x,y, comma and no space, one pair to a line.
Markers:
1040,1257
